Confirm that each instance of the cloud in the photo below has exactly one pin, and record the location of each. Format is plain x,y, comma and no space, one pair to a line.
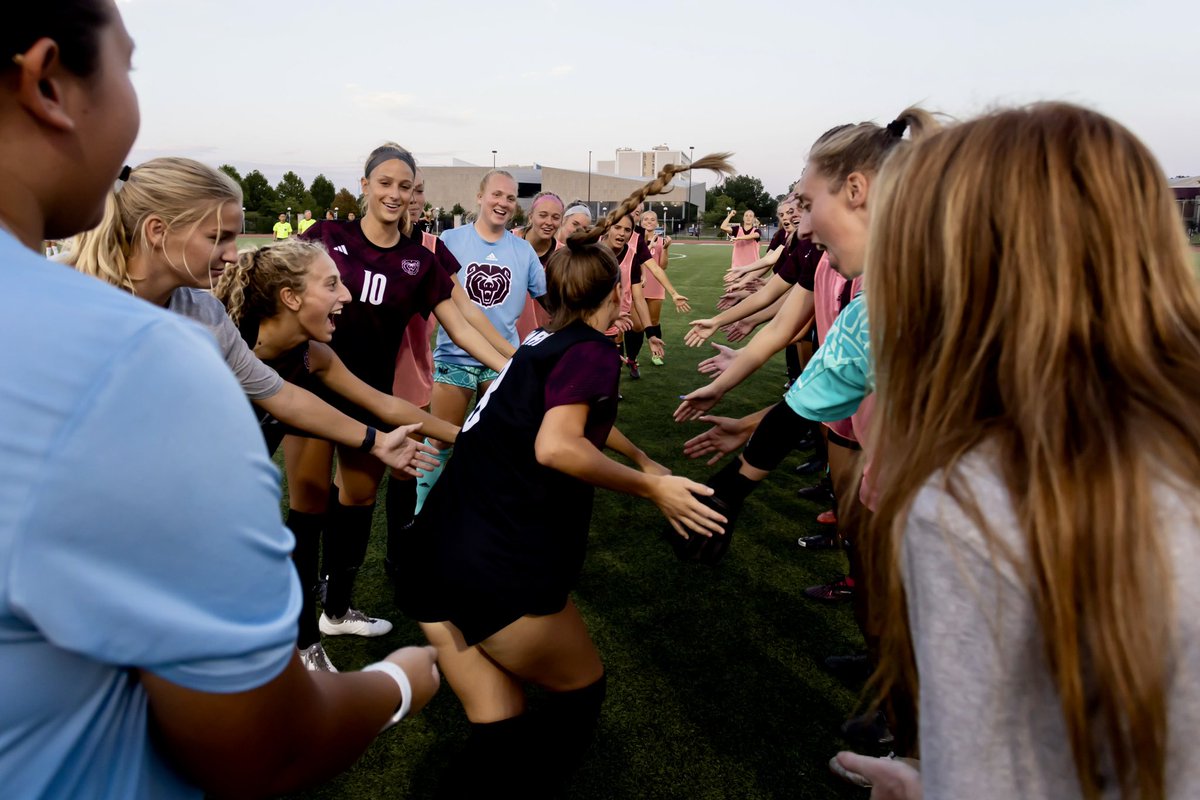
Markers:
559,71
409,107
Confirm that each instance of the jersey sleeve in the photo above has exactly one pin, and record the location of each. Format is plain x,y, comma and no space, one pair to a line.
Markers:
446,260
434,288
838,376
171,555
643,253
587,372
537,274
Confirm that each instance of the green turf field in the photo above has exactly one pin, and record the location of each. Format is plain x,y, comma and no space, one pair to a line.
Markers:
715,685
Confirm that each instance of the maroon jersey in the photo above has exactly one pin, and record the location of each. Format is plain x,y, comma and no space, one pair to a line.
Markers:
387,286
779,238
797,263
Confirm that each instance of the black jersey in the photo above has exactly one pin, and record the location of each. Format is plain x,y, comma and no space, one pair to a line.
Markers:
293,367
797,263
501,535
387,286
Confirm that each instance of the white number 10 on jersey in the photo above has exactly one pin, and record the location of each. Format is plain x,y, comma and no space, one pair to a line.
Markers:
374,284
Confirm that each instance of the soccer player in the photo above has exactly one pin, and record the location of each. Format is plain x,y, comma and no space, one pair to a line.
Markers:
391,277
545,219
494,558
653,290
745,239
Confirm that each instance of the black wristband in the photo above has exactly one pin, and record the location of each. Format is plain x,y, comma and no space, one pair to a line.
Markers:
368,441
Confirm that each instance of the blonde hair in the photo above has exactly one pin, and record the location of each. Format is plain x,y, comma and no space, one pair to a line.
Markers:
491,173
181,191
1030,289
250,288
864,147
386,152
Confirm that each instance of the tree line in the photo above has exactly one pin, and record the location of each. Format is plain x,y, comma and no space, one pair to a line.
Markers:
264,202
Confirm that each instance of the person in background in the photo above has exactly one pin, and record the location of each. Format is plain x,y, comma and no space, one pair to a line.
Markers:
305,223
282,229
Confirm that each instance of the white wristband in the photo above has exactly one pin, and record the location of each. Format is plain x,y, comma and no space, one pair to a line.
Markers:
401,679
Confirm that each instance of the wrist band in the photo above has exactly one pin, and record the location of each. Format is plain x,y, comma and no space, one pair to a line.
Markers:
401,679
368,441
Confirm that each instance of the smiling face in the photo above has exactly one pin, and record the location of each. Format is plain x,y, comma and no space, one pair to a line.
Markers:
198,254
649,221
497,201
388,190
546,220
322,300
572,224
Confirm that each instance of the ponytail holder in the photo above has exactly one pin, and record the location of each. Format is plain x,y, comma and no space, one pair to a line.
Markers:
897,127
125,173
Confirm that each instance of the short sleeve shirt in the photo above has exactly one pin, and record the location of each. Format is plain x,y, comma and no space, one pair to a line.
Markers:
498,277
387,286
139,529
797,263
282,230
838,376
258,381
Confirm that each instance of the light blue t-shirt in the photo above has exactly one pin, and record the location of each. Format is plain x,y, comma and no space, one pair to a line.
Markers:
497,276
838,376
139,529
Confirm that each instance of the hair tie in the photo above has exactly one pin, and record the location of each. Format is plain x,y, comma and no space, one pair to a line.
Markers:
122,179
897,127
545,197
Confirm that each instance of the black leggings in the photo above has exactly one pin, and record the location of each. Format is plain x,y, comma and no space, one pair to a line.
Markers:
775,437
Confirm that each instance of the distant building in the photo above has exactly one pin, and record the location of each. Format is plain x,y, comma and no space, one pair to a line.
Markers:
630,163
1187,195
446,186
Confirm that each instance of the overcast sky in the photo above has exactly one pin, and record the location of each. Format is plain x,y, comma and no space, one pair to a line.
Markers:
314,86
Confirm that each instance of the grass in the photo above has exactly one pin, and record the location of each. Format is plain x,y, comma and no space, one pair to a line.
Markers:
715,686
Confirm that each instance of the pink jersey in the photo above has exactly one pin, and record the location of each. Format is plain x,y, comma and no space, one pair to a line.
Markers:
533,316
829,292
745,251
414,362
631,273
652,288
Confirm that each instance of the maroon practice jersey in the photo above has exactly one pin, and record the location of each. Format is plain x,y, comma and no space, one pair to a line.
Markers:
387,286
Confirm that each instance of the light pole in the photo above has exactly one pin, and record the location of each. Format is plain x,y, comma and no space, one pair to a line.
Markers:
589,178
335,212
243,219
665,231
493,159
691,159
289,215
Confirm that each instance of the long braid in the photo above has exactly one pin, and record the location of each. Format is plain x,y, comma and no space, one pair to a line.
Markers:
716,162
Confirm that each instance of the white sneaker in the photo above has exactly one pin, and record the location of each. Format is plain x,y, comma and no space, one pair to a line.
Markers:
355,623
314,659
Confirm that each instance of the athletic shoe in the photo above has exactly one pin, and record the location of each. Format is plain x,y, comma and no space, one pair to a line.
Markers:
815,494
867,731
314,659
822,541
809,467
827,517
634,372
656,361
841,589
355,623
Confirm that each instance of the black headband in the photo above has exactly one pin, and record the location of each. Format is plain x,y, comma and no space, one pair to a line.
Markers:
897,127
387,154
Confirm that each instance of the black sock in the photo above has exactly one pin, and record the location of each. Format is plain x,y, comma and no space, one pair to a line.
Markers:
497,760
633,344
564,727
307,555
792,356
654,330
401,500
730,485
346,540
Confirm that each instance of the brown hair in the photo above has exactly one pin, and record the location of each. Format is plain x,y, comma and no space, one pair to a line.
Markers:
864,147
250,288
1030,290
386,152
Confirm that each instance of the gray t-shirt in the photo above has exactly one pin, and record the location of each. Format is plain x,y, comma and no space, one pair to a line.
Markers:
258,381
991,724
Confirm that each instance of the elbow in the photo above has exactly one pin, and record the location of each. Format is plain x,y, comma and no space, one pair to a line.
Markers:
549,452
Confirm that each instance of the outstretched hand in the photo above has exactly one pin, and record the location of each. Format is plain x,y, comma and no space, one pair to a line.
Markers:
677,498
701,330
891,778
658,347
715,365
736,331
681,304
725,436
697,403
401,453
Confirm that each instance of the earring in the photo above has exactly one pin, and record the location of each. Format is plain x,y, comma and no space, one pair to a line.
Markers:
19,59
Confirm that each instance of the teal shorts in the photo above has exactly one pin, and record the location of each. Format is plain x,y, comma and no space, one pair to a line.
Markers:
464,375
